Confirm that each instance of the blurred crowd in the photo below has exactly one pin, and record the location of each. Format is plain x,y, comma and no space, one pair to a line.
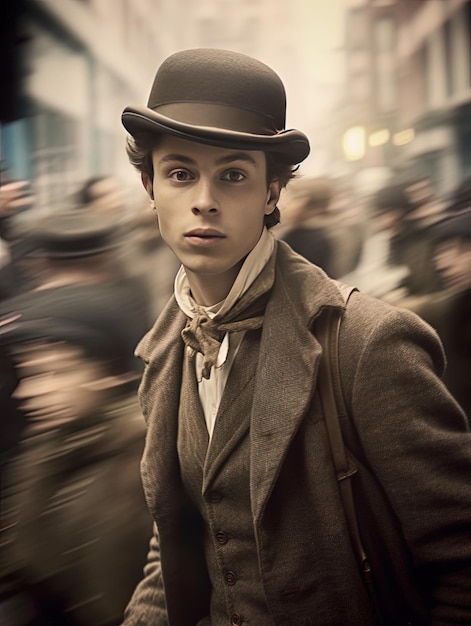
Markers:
402,244
80,287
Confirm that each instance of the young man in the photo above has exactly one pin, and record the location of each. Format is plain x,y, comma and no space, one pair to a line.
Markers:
237,469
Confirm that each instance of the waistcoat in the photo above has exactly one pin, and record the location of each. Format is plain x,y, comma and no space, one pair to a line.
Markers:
216,478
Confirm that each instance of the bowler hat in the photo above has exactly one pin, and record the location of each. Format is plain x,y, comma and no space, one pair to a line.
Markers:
74,235
221,98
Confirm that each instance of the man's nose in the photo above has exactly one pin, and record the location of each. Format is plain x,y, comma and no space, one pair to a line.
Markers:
205,200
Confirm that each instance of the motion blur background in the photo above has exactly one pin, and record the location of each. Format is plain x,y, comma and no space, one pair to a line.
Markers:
383,90
375,84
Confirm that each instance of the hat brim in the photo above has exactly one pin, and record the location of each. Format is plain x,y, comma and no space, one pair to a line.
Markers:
66,254
70,248
291,144
452,226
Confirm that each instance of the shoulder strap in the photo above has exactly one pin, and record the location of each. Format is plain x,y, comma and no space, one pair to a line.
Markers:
334,407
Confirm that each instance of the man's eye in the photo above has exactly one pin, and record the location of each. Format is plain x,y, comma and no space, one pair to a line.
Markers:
180,175
233,176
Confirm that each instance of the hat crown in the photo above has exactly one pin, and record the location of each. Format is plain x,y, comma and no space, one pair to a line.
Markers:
220,98
75,234
220,77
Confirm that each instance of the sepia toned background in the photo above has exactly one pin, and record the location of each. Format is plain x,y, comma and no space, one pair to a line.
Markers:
375,84
382,88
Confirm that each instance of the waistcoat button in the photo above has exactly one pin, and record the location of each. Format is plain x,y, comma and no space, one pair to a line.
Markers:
236,619
230,578
221,537
215,496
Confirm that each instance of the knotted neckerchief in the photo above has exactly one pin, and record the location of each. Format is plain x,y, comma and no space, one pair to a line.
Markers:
203,334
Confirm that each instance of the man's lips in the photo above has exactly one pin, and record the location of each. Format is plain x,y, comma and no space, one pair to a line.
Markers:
204,236
205,233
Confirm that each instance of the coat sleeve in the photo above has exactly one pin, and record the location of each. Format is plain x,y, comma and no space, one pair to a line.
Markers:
417,440
147,604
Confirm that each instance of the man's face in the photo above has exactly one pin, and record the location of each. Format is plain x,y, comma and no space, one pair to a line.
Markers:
453,262
56,384
419,192
210,204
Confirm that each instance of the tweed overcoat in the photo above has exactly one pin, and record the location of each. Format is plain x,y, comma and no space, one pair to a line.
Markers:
415,479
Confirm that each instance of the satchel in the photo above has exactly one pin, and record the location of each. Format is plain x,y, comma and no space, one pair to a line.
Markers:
390,605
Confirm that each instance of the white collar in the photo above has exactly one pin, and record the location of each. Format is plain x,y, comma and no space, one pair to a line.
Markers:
254,263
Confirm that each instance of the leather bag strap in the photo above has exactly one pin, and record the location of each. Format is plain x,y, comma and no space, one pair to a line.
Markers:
330,391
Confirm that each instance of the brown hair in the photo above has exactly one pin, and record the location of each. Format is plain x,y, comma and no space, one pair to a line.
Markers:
139,150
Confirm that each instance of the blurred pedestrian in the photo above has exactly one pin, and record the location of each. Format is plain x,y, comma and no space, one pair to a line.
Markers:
411,245
152,260
78,280
16,202
102,194
378,272
74,520
449,309
461,196
76,259
321,234
452,250
237,468
12,419
145,259
309,221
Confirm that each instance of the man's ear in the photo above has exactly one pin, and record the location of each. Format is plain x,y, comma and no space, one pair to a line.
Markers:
147,183
273,195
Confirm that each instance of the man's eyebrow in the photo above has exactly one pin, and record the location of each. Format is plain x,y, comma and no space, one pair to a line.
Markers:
228,158
236,156
170,158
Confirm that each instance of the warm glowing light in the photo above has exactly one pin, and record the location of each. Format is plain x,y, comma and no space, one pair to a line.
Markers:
379,138
354,143
403,137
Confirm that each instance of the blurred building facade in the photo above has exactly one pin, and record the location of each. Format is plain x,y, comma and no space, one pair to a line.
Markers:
407,104
75,64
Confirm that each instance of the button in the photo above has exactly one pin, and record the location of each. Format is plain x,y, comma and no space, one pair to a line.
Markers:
215,496
230,578
221,537
236,619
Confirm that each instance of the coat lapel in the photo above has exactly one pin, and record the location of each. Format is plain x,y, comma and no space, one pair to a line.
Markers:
162,351
287,367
